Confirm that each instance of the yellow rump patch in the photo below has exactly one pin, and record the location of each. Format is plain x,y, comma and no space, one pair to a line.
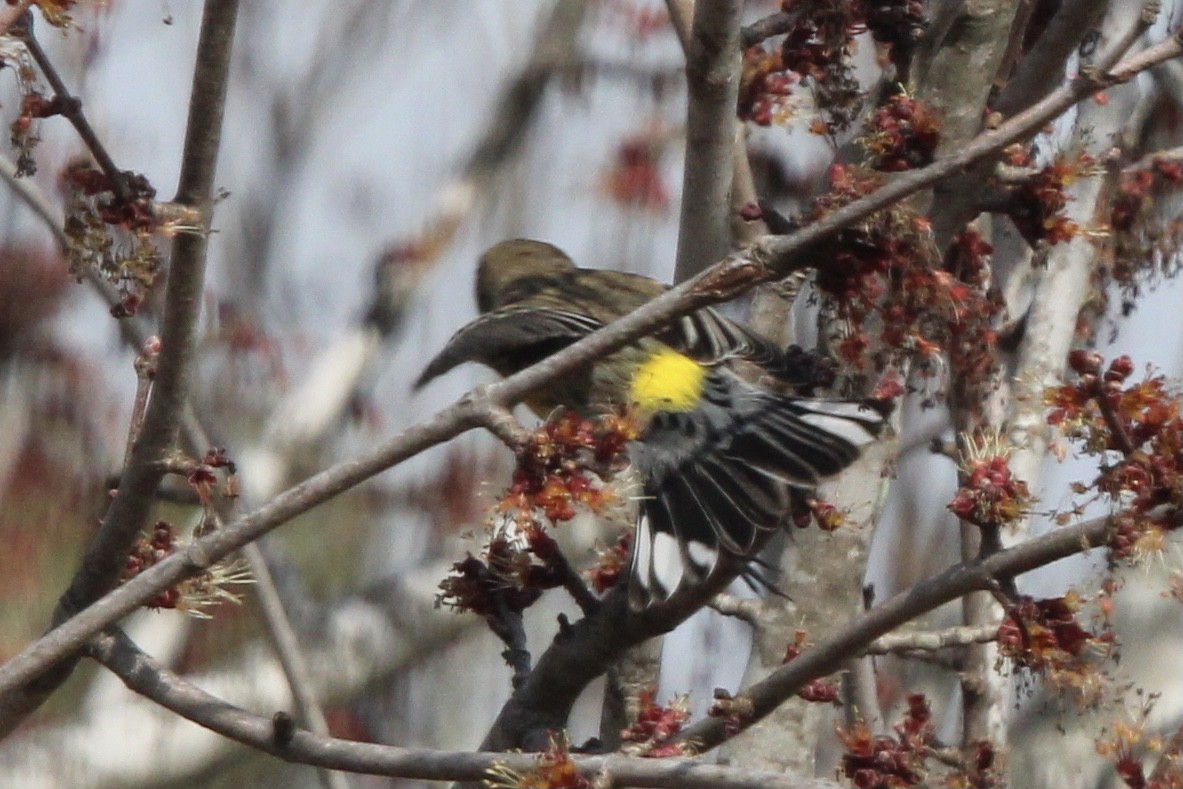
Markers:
668,381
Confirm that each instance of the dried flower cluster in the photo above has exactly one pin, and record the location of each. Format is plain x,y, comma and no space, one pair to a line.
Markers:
563,466
816,51
112,236
886,288
1147,233
195,595
555,770
1136,432
651,733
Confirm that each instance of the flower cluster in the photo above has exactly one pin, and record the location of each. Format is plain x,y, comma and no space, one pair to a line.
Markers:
1036,205
898,23
552,473
820,690
560,468
765,87
888,291
655,726
989,494
902,134
816,48
1044,637
113,236
193,595
1136,431
555,770
635,179
880,762
612,564
1129,744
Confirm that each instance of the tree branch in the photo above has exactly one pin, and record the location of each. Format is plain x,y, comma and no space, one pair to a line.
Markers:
712,82
143,675
959,580
106,556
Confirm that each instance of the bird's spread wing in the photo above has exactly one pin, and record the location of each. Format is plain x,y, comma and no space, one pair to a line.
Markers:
718,479
510,339
712,338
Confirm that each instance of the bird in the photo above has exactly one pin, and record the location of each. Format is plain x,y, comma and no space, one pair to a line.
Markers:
718,456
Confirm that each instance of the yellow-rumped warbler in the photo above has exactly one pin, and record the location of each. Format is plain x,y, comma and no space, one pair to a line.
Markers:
718,456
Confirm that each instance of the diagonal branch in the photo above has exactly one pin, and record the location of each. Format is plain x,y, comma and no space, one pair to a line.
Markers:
861,634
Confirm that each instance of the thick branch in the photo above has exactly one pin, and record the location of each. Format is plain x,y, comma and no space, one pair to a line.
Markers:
141,674
712,81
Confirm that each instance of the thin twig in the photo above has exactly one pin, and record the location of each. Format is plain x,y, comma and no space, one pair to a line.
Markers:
70,108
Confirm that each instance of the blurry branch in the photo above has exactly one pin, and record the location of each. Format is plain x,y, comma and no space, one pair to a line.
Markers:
1166,155
362,641
145,676
772,25
712,82
956,201
553,53
770,306
106,556
27,192
769,258
1042,67
1061,288
964,66
932,640
291,657
70,108
11,14
858,636
348,33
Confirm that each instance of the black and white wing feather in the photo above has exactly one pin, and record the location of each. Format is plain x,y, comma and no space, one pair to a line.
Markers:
718,479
